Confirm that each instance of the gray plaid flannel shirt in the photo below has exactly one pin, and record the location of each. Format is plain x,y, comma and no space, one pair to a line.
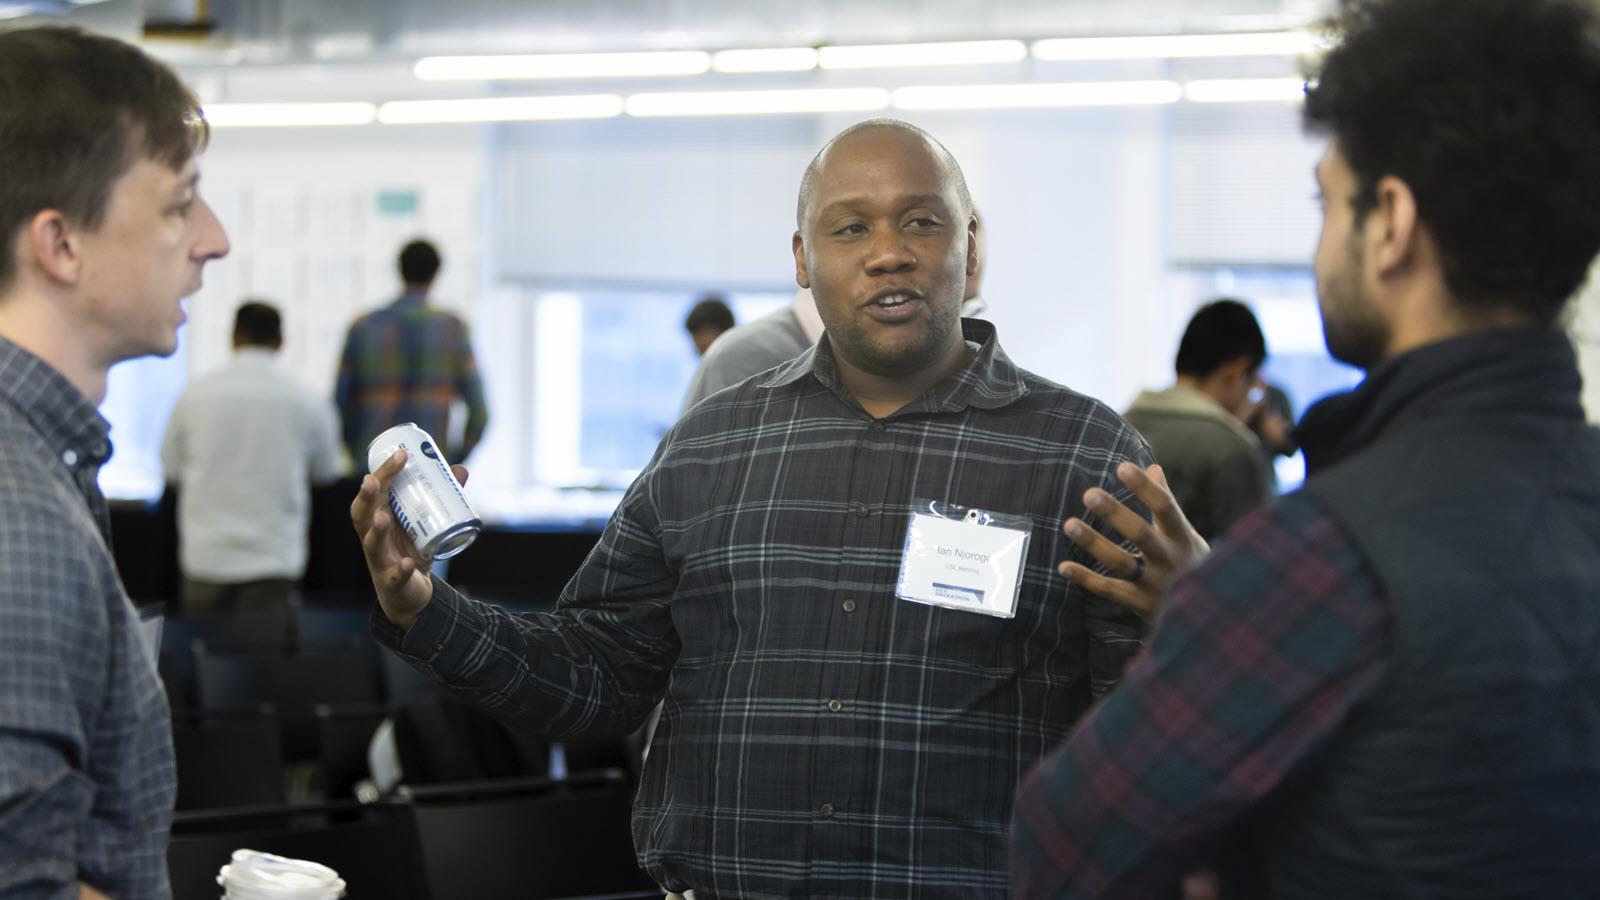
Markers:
86,768
820,737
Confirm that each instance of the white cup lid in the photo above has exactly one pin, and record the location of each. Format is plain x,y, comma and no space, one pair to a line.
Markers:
253,875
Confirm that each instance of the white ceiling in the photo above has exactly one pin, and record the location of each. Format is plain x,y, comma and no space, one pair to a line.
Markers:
327,30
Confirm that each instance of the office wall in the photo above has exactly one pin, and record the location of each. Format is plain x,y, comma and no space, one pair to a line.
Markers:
316,217
1085,212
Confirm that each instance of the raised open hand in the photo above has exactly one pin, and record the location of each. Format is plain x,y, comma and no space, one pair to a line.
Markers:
1164,550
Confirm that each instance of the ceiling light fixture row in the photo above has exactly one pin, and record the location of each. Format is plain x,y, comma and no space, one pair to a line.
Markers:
877,56
1028,95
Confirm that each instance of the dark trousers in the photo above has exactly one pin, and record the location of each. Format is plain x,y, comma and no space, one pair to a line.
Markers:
214,598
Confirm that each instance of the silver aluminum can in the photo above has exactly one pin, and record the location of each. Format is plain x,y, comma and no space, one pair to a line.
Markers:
425,496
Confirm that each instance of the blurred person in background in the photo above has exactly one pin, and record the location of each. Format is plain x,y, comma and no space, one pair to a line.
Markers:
104,233
1384,685
409,362
1196,428
1272,420
708,321
243,448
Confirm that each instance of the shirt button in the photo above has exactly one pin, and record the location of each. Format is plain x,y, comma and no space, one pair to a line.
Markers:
826,810
860,509
849,606
70,457
834,706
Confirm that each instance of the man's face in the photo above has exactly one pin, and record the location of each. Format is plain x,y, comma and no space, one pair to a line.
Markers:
885,250
146,255
1352,325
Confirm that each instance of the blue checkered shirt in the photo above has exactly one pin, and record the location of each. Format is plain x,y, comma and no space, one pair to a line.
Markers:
86,769
820,737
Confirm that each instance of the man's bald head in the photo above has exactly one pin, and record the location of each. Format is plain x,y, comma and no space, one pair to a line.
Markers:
952,169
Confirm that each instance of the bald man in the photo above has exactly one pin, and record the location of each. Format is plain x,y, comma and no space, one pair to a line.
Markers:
838,722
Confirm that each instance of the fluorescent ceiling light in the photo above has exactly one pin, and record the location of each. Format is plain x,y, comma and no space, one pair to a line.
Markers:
1177,46
563,65
500,109
287,115
956,53
780,59
1043,95
1246,90
755,103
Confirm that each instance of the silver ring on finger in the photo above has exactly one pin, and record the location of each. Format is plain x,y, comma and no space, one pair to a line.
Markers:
1138,566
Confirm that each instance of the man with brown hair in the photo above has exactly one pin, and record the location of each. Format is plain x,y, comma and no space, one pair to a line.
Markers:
104,233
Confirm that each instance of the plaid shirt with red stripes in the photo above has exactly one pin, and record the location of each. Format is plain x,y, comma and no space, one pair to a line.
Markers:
1257,659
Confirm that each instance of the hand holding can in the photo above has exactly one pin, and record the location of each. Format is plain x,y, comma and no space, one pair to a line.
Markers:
425,497
399,568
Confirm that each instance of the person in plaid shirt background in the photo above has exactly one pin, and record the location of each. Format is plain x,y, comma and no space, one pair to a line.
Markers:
408,362
1386,684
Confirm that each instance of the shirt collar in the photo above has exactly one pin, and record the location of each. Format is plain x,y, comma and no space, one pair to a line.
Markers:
1532,371
412,298
989,381
63,416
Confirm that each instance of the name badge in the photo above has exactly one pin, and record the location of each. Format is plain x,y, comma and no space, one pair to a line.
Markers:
962,558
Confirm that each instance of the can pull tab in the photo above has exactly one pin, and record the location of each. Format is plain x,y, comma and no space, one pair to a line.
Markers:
979,517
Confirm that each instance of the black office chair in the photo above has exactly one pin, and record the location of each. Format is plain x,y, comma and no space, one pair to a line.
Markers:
344,733
373,847
336,570
528,838
294,685
520,569
250,631
227,758
403,684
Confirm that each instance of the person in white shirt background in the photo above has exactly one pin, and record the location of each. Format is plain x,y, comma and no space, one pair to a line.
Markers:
243,447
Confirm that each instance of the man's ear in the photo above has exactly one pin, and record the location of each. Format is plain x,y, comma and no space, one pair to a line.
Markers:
1392,231
972,246
51,244
802,276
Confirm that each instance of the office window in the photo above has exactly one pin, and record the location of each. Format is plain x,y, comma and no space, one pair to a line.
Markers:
610,370
140,394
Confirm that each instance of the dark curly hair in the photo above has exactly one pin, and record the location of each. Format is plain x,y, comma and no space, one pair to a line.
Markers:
1489,110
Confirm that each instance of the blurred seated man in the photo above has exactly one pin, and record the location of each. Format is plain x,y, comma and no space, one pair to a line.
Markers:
1196,427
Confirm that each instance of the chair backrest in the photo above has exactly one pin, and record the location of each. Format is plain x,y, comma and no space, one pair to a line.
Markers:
335,566
520,568
251,631
528,838
294,685
372,847
344,735
403,684
224,759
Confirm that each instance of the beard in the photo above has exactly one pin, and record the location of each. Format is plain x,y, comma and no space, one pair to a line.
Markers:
1352,328
919,347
